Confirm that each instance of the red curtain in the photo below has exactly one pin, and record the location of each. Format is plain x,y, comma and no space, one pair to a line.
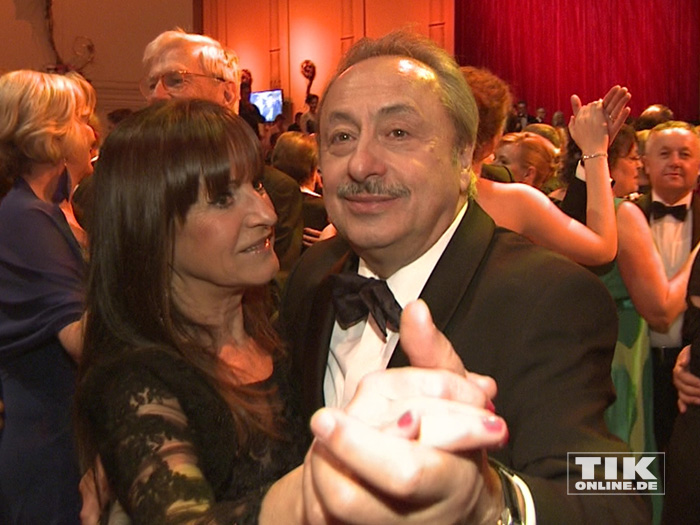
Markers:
549,49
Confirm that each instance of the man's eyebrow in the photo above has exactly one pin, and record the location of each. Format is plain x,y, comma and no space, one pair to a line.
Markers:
398,109
336,117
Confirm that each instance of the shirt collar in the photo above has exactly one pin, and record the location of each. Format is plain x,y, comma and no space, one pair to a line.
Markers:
407,283
686,200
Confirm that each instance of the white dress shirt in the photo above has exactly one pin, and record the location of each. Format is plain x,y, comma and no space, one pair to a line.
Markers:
673,241
361,348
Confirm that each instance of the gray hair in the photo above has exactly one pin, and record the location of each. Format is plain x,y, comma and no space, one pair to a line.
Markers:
456,96
214,58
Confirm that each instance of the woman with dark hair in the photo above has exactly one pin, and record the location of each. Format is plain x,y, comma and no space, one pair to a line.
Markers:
184,403
625,162
45,146
182,371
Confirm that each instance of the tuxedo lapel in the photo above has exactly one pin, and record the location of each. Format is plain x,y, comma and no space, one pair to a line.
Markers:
644,203
319,331
454,271
695,206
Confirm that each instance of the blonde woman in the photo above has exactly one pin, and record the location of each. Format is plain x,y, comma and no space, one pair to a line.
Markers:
43,128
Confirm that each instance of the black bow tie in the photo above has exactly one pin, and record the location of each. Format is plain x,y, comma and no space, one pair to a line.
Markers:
659,210
355,296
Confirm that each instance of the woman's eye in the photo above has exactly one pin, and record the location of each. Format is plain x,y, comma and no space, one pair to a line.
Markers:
399,133
223,200
259,186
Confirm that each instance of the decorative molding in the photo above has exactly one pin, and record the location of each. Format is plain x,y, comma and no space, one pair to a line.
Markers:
436,26
347,33
114,94
275,51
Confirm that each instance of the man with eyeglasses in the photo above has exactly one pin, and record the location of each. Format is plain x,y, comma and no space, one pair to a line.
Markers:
186,65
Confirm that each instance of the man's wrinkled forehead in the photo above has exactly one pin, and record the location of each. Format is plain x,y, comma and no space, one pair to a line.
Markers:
179,56
373,68
671,137
390,64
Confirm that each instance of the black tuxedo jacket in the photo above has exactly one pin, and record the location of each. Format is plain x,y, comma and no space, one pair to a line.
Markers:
691,320
542,326
644,203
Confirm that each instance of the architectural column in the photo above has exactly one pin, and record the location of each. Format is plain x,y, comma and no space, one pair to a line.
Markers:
275,51
436,26
347,34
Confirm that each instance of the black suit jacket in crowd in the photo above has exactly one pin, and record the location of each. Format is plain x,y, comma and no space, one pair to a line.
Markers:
541,326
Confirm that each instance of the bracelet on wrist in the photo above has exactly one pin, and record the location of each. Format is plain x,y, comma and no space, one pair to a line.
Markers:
584,158
512,514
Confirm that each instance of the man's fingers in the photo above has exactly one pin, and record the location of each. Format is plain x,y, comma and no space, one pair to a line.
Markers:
382,397
397,465
427,347
424,344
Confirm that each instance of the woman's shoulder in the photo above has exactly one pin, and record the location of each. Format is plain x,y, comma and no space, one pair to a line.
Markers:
139,367
512,205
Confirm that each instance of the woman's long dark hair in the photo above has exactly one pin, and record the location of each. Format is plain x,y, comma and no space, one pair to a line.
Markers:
147,178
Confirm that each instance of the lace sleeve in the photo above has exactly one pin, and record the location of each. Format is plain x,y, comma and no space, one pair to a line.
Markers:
169,446
149,454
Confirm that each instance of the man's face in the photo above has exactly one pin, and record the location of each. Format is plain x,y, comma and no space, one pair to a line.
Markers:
313,105
392,181
198,85
672,161
522,108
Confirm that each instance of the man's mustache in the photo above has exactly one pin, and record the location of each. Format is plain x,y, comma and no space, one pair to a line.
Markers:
372,186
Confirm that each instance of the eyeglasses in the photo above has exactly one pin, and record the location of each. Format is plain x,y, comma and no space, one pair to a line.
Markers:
171,81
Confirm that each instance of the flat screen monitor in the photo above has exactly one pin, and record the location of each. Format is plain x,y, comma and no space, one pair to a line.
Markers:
268,102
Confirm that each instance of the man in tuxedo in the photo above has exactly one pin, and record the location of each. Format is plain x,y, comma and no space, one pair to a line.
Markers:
658,241
397,126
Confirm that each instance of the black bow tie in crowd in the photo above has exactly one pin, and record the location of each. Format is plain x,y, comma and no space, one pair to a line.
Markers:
659,210
355,296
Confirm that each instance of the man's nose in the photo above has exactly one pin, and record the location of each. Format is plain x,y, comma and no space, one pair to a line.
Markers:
366,160
159,92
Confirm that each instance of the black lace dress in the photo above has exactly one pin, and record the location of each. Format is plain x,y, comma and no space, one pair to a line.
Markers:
169,446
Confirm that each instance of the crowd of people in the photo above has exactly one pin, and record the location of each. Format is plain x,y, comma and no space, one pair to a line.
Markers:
408,307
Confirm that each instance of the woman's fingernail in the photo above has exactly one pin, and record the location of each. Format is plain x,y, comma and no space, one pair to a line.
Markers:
505,439
493,423
490,406
406,419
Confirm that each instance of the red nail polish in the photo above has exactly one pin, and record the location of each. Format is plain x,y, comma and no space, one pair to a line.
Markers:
490,406
492,423
406,419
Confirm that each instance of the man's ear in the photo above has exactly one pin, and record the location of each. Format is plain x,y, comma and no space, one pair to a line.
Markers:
465,173
230,95
530,174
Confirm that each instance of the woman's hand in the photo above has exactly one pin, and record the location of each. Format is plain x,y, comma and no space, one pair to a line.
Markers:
356,473
616,109
588,126
94,490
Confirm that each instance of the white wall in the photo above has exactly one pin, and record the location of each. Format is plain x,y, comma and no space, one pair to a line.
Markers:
119,30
